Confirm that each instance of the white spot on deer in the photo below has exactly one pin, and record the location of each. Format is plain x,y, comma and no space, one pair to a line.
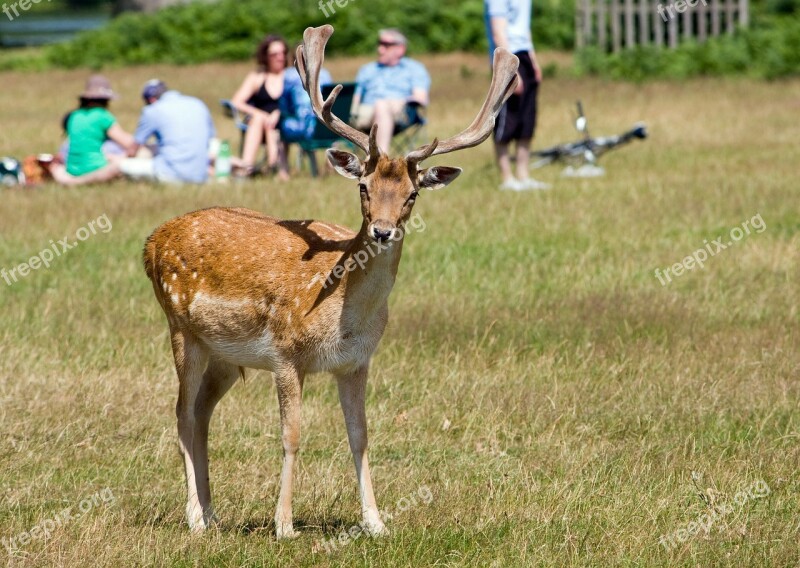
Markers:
174,298
297,302
174,275
194,275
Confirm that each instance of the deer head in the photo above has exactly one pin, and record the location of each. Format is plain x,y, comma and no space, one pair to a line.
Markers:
389,187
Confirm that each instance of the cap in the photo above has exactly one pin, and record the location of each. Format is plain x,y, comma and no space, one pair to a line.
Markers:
153,89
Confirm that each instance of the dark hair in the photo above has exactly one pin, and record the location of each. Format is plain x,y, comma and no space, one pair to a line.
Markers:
263,48
93,103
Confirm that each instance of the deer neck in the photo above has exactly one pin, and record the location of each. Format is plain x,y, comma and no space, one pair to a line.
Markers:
368,285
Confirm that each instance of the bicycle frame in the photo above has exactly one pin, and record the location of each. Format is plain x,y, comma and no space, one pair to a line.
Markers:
587,151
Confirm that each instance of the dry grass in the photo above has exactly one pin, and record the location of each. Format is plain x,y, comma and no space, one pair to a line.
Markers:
580,393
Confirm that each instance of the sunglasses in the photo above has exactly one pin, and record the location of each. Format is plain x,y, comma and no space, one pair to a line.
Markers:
383,43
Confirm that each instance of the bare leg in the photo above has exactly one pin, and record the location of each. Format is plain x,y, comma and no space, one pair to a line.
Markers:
283,162
190,361
273,137
252,139
290,392
385,112
106,173
523,154
503,161
217,380
352,395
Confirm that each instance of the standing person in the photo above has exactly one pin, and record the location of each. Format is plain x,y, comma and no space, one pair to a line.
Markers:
259,97
89,128
389,89
508,25
182,127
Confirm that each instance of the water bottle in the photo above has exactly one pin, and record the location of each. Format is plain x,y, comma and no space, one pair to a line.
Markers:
223,164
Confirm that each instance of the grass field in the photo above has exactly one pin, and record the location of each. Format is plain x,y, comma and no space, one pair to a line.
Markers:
540,394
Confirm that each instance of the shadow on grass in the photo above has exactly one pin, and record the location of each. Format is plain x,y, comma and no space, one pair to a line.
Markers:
328,527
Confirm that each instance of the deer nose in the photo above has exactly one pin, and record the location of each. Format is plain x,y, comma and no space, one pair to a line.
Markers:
381,234
382,231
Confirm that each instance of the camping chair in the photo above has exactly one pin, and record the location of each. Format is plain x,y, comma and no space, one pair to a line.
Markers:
233,112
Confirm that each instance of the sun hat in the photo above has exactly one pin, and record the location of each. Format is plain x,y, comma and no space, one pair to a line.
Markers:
98,87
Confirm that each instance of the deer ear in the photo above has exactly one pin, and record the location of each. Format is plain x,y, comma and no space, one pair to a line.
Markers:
345,163
437,177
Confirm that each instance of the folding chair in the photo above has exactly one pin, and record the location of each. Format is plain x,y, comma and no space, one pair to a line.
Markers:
241,125
233,112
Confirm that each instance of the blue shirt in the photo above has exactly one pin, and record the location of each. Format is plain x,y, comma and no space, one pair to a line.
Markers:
378,82
517,14
183,128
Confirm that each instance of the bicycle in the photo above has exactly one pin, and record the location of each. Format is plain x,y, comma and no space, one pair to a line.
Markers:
581,156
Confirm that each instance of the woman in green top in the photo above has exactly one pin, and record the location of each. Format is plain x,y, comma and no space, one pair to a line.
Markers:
88,128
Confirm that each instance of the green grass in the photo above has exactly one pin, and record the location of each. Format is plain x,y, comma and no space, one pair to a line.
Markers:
580,393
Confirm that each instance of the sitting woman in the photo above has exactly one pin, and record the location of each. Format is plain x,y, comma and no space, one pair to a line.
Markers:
89,129
259,97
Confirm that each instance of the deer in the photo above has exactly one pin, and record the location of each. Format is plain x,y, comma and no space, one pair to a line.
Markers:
241,289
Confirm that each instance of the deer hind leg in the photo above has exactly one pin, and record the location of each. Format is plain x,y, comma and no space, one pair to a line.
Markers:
190,362
352,395
217,380
289,383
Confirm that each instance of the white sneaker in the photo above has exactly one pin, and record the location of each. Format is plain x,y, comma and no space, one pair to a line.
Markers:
511,184
534,184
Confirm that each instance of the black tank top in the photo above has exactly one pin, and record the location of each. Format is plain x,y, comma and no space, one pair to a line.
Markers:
262,100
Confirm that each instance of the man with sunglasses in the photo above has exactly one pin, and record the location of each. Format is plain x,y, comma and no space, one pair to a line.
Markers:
390,89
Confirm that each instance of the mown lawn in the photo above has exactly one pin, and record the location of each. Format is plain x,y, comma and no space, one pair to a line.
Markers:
539,398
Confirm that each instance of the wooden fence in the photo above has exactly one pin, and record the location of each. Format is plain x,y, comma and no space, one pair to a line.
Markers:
614,24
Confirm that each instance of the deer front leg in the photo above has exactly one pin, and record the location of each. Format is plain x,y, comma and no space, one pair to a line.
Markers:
289,383
352,395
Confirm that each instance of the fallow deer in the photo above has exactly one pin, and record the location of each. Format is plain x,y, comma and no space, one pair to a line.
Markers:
241,289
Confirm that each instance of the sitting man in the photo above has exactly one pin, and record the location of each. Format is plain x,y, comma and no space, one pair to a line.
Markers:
182,127
388,89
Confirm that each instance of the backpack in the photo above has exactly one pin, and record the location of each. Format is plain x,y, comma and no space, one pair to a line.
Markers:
11,173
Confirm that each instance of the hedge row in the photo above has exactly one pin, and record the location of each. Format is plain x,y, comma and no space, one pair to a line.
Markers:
230,29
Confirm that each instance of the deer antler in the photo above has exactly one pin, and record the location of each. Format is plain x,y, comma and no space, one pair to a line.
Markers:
310,55
504,81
